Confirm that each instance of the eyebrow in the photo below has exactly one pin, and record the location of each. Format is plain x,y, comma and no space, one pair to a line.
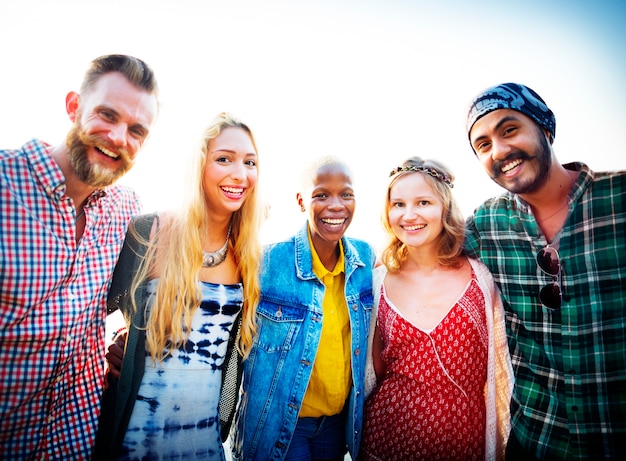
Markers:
506,119
232,151
414,197
101,107
142,127
118,115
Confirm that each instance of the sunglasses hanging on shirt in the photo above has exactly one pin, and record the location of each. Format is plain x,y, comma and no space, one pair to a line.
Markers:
549,262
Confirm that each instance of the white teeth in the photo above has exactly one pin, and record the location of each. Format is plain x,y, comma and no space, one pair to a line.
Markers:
333,222
509,166
412,228
233,190
107,152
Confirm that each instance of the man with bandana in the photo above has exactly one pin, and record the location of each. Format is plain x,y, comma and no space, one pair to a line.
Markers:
556,245
62,225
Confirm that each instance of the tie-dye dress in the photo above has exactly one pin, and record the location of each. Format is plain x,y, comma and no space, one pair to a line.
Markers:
176,412
430,405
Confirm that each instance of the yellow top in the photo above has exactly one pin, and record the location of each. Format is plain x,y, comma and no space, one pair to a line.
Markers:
331,375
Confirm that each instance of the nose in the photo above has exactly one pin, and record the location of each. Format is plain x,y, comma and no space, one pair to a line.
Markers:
238,171
335,203
499,149
410,213
119,135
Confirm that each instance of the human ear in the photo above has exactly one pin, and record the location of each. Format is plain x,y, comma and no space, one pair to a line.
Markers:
300,201
548,135
72,101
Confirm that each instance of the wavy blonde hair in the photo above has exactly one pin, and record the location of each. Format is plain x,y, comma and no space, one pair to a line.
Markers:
451,239
178,293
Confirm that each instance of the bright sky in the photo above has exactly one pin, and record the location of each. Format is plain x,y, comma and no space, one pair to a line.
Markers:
373,81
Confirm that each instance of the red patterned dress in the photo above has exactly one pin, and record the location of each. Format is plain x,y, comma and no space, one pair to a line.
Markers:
430,405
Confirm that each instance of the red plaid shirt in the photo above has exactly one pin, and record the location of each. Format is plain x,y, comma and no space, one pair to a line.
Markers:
53,300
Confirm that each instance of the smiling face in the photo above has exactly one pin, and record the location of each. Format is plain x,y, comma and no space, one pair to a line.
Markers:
112,121
415,211
330,203
230,171
513,149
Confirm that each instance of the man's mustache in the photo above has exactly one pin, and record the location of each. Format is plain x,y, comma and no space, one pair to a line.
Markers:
516,155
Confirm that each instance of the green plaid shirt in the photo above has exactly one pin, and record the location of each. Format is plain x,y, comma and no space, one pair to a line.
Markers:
569,400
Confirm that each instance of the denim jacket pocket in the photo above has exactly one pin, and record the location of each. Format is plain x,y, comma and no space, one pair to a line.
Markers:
363,301
367,300
278,326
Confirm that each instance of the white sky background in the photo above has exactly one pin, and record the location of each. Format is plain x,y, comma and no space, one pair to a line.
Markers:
372,81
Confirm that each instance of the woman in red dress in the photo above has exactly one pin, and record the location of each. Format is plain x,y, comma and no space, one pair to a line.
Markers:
439,344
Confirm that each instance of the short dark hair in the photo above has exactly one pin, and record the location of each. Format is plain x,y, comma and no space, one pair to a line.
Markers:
135,70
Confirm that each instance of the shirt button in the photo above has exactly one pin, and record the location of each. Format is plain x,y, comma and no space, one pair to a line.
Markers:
357,351
68,338
354,307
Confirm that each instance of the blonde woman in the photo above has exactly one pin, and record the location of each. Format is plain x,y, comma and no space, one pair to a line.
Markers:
198,274
439,342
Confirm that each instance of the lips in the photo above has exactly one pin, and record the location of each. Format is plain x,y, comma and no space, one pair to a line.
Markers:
508,166
233,191
333,221
107,152
414,227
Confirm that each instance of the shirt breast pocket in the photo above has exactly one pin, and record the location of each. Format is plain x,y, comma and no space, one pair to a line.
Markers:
278,326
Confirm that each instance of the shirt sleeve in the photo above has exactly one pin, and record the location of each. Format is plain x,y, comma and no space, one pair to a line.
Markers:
471,245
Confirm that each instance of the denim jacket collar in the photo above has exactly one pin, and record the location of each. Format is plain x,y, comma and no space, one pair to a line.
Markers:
304,259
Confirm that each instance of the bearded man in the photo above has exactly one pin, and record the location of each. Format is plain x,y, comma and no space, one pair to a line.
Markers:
555,243
62,225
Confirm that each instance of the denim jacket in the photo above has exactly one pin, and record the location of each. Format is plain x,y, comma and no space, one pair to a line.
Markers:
278,369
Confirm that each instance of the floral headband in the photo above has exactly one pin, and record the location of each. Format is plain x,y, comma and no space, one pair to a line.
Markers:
426,170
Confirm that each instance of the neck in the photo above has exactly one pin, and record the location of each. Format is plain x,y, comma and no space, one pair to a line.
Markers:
422,260
554,191
328,252
549,205
77,190
217,228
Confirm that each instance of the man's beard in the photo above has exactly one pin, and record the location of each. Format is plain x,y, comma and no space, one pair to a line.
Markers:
93,174
542,155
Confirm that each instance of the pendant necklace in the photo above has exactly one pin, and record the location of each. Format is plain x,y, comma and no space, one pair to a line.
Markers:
217,257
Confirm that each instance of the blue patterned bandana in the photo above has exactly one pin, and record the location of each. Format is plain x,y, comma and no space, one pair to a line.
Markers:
516,97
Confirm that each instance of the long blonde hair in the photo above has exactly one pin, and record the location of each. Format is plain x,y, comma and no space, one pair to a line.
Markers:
450,242
178,293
